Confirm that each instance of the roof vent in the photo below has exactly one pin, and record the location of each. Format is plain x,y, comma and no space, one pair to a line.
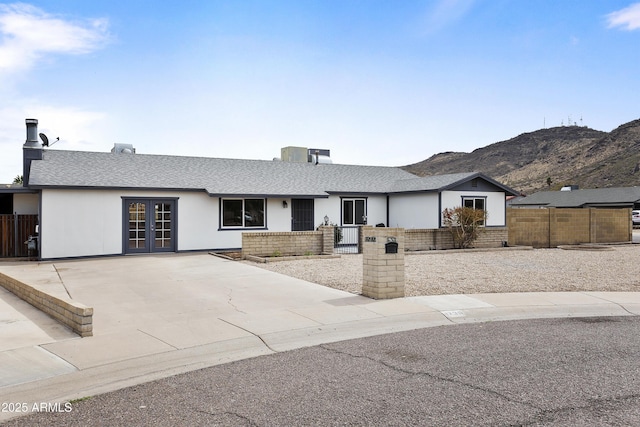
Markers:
123,149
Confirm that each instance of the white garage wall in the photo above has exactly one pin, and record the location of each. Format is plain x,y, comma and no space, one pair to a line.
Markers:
197,221
80,223
89,222
418,210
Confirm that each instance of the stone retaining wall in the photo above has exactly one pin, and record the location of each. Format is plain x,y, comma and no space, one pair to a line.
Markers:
77,316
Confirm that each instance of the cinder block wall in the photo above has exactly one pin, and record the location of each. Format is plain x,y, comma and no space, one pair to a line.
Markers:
611,225
294,243
569,226
551,227
297,243
528,227
430,239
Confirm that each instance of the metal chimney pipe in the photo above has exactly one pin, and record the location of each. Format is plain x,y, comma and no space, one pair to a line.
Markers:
31,150
32,134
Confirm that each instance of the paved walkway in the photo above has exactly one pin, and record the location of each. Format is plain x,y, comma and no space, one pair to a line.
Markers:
156,316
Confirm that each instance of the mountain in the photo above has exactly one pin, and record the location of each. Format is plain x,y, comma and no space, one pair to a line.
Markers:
568,155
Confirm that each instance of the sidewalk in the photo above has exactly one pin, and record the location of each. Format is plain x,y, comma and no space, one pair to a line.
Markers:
156,316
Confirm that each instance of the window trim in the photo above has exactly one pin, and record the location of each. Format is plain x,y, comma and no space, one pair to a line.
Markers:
342,210
244,226
484,202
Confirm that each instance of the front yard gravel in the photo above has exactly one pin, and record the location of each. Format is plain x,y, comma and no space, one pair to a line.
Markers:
616,268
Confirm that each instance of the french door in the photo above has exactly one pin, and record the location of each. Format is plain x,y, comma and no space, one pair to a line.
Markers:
149,225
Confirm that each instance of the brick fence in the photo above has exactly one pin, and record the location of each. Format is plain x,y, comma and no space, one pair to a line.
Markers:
440,238
552,227
294,243
320,242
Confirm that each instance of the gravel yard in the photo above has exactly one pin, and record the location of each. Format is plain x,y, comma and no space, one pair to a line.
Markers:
502,270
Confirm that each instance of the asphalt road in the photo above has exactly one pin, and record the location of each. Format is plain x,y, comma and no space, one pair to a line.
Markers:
557,372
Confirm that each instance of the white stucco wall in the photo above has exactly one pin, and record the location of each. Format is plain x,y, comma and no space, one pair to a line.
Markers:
495,207
377,210
419,210
80,223
331,207
89,222
197,220
26,203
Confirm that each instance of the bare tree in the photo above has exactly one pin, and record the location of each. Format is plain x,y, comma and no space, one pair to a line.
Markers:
465,225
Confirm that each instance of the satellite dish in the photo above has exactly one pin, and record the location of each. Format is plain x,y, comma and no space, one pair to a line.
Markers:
45,140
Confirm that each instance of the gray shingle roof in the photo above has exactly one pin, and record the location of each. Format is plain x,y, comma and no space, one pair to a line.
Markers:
214,175
431,183
618,196
217,176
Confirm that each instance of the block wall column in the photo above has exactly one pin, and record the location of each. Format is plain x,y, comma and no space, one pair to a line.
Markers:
327,239
383,272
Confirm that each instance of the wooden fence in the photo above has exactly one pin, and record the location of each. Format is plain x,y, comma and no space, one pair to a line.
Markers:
14,231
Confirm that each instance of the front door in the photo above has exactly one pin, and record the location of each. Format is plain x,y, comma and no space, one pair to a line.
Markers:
302,215
149,225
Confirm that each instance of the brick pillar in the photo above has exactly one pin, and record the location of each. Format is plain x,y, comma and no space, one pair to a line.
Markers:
361,237
327,239
383,273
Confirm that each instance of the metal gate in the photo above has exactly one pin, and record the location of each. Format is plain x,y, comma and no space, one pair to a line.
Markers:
14,231
346,239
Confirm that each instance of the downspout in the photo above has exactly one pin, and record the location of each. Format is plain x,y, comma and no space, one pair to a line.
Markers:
439,209
39,233
388,223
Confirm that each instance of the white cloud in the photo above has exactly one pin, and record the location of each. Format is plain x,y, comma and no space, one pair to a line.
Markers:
627,18
27,33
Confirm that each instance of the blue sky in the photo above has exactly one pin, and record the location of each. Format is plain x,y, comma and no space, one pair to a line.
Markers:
376,82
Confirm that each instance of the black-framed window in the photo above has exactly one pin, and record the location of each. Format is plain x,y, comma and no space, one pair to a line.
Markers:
354,211
243,213
475,203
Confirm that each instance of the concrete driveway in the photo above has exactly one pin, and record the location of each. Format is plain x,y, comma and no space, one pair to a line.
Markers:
156,316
